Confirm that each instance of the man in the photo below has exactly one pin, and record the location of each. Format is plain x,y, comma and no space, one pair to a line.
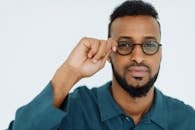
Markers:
129,101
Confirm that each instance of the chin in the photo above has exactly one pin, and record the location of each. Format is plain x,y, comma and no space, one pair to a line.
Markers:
135,86
137,83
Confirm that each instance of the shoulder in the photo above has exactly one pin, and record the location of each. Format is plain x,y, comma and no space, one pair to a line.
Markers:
82,101
179,114
85,94
82,94
174,105
178,107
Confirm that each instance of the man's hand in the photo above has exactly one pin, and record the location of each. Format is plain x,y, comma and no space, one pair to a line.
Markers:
87,58
90,55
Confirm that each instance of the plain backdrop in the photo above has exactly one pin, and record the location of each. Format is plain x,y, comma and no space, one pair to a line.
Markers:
36,36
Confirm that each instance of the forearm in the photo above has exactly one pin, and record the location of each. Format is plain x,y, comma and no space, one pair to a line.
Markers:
63,80
39,114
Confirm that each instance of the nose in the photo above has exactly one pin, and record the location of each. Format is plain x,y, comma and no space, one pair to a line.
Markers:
137,54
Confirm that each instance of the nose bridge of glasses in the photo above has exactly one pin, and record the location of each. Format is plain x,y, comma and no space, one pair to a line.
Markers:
137,48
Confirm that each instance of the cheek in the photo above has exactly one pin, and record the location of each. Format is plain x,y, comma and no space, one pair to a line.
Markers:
155,65
155,62
118,63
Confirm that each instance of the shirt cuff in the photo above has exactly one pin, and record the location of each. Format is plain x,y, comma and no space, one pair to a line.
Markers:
40,113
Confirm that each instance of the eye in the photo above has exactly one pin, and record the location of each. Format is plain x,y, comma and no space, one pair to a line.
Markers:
124,47
125,44
150,45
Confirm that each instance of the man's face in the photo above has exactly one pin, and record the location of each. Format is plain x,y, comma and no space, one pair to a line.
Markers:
137,70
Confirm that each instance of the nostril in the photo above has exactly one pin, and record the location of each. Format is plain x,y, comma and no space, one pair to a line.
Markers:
137,59
137,56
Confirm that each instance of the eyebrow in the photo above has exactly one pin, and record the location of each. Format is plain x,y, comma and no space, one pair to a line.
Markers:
131,39
125,38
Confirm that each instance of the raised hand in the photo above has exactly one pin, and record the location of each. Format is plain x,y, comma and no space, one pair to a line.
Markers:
87,58
90,55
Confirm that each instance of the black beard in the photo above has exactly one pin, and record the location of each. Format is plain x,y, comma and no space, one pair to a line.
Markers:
134,91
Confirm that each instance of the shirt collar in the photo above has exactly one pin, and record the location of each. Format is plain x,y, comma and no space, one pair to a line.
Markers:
158,111
109,108
107,105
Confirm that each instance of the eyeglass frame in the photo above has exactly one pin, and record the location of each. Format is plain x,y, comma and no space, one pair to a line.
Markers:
140,44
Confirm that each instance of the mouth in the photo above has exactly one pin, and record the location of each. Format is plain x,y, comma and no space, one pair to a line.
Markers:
138,72
138,78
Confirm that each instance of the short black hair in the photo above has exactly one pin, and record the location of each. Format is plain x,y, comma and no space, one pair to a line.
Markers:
132,8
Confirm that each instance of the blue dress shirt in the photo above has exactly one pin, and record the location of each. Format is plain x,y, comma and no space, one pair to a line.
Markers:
95,109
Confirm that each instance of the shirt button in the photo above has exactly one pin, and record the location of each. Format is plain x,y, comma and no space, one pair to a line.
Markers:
127,118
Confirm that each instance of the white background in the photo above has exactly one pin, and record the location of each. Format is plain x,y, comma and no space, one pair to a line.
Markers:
36,37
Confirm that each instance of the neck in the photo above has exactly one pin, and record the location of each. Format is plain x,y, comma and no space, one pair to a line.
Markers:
135,107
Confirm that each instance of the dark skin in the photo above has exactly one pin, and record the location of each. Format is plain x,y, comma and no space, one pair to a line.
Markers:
90,55
137,29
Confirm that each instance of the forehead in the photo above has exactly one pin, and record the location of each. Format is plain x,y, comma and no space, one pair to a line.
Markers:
136,27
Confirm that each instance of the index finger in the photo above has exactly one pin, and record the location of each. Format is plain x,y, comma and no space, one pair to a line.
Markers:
112,44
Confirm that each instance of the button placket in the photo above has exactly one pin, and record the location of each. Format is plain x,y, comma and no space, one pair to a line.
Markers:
127,118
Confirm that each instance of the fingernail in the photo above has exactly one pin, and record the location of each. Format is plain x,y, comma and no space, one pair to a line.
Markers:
114,48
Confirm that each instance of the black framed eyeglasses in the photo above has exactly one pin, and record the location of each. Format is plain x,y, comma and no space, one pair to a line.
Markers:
148,47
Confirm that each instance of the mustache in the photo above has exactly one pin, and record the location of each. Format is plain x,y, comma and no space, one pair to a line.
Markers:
138,65
134,63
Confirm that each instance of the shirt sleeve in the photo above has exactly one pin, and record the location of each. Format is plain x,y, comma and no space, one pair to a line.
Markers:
39,114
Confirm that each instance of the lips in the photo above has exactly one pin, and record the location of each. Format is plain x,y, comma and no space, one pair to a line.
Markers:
137,71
